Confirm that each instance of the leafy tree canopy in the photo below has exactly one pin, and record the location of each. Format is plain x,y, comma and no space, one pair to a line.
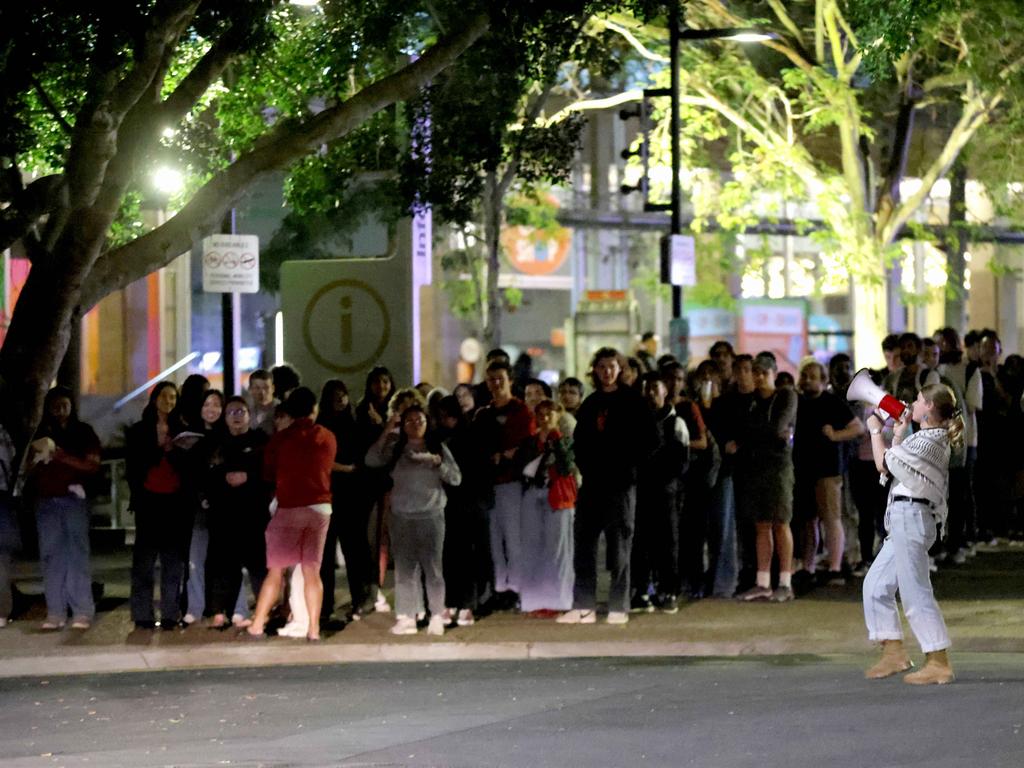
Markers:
96,96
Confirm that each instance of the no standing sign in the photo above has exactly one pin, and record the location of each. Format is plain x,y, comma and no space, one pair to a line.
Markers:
231,264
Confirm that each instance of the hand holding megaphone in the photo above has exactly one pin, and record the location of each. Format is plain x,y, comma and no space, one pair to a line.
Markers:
901,426
863,390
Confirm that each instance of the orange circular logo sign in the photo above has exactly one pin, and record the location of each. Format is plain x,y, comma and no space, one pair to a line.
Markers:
536,253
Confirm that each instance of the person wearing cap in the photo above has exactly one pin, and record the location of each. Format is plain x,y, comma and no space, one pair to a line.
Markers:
764,478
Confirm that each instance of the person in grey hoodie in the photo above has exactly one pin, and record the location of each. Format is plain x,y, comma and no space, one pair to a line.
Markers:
419,464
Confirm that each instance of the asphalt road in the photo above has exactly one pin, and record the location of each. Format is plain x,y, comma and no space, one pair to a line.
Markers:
714,713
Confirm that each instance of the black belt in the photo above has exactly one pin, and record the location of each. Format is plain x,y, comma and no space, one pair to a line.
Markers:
927,502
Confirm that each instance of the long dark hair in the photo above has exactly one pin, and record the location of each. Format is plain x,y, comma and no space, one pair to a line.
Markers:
219,425
48,426
379,372
191,397
149,412
449,406
328,392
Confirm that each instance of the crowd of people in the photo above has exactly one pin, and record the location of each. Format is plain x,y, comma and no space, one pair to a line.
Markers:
730,480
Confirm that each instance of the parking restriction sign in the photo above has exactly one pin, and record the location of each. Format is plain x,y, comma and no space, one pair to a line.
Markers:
231,264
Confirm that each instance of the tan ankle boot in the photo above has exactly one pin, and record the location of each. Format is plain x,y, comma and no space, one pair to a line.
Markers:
894,660
936,670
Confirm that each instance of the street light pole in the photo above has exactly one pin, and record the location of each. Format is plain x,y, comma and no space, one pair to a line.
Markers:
676,201
676,34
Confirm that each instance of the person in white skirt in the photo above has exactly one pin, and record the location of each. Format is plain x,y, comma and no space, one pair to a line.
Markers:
919,465
546,517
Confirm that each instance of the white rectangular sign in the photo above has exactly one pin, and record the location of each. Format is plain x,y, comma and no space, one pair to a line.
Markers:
684,260
231,264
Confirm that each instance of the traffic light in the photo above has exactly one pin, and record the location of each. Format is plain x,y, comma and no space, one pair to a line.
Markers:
642,112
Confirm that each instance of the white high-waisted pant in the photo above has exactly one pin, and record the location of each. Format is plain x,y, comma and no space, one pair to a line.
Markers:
903,565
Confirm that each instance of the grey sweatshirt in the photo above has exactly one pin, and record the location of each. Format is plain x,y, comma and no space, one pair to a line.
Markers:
418,490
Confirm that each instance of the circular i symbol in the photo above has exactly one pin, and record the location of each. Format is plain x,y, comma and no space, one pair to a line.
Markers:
359,294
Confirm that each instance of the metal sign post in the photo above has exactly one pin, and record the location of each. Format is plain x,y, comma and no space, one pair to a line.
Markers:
231,265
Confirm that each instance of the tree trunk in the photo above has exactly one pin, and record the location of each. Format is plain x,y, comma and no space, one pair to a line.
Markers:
492,236
955,247
34,348
41,326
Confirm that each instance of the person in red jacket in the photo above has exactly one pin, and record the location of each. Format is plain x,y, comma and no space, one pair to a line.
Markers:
298,461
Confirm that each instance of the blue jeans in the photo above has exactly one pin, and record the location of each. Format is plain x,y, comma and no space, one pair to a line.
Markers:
196,581
63,525
723,566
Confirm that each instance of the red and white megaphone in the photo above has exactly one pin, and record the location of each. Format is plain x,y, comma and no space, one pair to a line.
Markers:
863,390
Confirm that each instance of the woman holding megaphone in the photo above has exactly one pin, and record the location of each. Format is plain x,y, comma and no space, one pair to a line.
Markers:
919,465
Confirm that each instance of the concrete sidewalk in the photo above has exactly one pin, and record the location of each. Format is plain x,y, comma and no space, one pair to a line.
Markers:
983,602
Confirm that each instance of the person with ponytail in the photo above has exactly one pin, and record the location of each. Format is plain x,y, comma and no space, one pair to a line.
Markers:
919,465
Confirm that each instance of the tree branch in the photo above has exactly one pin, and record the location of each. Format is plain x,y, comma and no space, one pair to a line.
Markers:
95,141
286,143
630,38
975,113
206,72
797,56
786,20
28,207
50,106
163,30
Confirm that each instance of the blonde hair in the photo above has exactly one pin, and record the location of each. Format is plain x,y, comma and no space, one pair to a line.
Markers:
405,397
945,406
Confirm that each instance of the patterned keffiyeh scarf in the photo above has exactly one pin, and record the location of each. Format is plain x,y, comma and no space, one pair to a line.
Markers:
920,466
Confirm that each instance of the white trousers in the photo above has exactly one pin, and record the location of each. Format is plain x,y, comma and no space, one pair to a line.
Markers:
902,565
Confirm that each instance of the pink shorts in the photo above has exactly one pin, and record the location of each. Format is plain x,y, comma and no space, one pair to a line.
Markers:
296,535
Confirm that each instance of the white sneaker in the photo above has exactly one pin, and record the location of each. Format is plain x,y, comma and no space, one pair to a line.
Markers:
188,618
421,615
577,616
3,621
293,629
617,617
406,625
436,626
465,618
381,605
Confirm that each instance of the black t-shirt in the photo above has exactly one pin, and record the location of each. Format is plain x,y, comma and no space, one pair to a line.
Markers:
615,433
725,419
814,455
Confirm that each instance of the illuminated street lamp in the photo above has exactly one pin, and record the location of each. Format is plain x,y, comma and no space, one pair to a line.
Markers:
677,33
168,181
